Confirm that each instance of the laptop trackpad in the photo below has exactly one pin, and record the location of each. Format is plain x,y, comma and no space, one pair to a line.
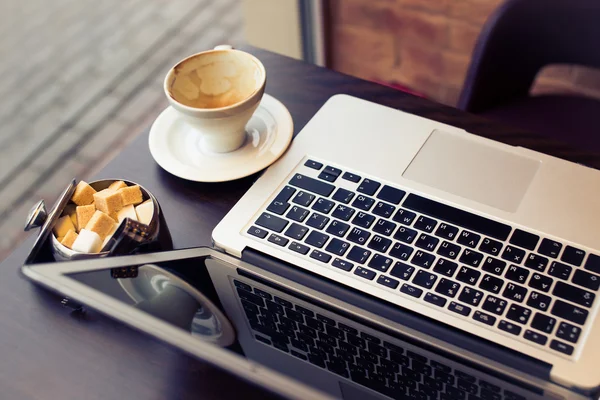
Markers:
473,170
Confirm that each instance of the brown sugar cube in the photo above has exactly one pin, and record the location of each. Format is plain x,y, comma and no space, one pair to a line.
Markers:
116,185
69,239
84,214
131,195
101,223
63,225
108,201
83,195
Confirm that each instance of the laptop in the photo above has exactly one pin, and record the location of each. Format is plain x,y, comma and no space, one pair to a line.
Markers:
296,341
492,248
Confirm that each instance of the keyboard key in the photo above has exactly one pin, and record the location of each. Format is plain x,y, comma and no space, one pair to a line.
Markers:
387,281
568,332
368,187
391,194
468,275
513,254
550,248
540,282
250,297
586,279
491,246
332,170
337,228
316,239
426,242
453,393
271,222
515,292
343,196
456,216
509,327
363,202
282,302
424,279
313,164
435,299
402,271
358,235
491,283
535,337
536,262
323,205
351,330
358,254
343,212
539,301
424,260
411,290
299,248
518,313
258,232
465,377
401,251
469,239
278,240
380,263
593,263
446,231
364,273
312,185
379,243
524,239
405,235
517,274
471,296
485,318
467,386
278,207
560,270
449,250
574,294
296,231
494,305
342,264
303,198
363,220
351,177
445,267
569,312
298,213
447,287
384,210
573,256
404,216
285,194
494,266
317,221
320,256
471,258
459,308
384,227
337,247
425,224
561,347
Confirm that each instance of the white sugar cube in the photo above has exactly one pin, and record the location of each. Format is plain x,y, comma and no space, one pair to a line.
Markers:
144,212
87,242
127,212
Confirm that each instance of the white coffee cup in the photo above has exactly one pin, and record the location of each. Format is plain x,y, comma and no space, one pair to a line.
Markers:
216,92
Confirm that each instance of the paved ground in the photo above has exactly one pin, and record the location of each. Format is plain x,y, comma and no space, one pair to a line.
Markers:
80,78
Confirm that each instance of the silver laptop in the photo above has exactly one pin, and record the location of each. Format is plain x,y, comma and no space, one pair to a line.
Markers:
298,341
492,248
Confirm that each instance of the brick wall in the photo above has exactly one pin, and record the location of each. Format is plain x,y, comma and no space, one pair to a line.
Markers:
426,45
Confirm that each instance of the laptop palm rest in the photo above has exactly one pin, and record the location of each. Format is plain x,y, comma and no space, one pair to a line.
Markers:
473,170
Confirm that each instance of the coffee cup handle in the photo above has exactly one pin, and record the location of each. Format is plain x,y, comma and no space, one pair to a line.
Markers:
223,47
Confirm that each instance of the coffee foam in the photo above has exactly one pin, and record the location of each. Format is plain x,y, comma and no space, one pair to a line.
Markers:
214,80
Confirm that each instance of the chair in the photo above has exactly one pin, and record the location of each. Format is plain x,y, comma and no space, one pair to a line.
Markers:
518,40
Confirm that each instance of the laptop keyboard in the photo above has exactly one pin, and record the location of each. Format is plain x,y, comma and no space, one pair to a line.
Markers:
504,278
346,350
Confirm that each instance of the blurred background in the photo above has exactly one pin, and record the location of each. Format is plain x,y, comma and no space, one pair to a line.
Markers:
81,78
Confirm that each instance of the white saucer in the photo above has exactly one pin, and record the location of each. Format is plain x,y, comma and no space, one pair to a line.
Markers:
177,147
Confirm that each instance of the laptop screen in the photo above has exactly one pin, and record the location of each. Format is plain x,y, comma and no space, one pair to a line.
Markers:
311,341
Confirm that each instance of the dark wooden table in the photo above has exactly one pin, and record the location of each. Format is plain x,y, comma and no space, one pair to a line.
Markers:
47,353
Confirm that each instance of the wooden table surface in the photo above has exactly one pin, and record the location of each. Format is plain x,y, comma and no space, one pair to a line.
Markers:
47,353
